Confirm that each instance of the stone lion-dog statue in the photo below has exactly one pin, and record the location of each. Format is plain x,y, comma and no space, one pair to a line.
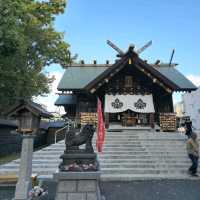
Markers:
73,140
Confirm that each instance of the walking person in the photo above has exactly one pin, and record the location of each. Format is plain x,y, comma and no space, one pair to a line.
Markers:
193,153
188,128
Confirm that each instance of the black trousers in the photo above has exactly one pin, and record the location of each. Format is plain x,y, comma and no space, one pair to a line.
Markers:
194,159
188,133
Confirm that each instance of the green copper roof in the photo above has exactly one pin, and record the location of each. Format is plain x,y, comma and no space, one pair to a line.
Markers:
66,100
79,77
175,76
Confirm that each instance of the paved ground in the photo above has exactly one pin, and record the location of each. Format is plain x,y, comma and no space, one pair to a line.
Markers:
6,193
137,190
152,190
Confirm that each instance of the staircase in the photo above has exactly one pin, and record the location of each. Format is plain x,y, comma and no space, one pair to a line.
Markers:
127,155
142,155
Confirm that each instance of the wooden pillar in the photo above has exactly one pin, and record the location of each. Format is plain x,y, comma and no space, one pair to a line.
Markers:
152,120
171,103
106,120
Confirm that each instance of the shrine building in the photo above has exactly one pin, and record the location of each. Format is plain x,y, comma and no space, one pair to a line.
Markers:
133,92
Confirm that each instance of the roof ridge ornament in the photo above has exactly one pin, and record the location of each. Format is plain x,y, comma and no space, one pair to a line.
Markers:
131,48
148,44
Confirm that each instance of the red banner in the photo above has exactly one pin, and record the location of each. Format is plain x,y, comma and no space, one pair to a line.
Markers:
100,128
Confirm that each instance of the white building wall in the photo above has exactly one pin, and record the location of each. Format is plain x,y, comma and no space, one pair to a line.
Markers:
191,106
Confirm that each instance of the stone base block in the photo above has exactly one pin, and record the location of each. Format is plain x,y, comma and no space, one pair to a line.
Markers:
77,185
22,190
79,158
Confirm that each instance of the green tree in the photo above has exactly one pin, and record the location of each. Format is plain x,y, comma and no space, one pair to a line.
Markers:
28,43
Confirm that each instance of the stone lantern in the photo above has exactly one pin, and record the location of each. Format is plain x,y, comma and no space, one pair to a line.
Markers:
27,122
28,115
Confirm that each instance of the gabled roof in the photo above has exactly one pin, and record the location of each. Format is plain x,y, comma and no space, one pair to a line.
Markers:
52,124
66,100
7,122
132,57
86,76
78,77
175,76
33,107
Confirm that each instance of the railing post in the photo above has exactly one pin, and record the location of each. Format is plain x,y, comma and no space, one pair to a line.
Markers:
69,124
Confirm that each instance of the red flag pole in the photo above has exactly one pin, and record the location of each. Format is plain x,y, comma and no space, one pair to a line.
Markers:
100,128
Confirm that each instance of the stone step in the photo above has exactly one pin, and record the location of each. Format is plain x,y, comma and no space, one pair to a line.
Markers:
145,136
153,153
166,140
124,160
132,155
145,166
109,165
142,137
47,161
123,150
116,160
131,177
104,148
132,137
142,156
133,144
141,171
38,171
140,145
49,166
105,153
103,161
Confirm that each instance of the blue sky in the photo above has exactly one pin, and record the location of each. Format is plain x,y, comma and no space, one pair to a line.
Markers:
169,24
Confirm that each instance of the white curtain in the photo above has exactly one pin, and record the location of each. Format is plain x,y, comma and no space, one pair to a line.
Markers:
136,103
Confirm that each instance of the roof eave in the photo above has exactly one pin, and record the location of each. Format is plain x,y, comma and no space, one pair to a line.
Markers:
185,89
67,89
158,75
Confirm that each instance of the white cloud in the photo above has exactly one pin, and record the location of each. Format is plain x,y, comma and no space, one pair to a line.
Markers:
49,100
195,79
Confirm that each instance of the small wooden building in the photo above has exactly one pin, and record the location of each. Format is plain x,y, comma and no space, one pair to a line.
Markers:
132,91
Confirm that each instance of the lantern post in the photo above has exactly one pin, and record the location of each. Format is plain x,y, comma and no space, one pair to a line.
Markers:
28,115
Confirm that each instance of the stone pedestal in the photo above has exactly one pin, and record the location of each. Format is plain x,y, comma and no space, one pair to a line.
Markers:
24,183
77,185
80,158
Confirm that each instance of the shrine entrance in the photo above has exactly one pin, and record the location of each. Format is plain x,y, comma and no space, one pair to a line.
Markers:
129,110
130,118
